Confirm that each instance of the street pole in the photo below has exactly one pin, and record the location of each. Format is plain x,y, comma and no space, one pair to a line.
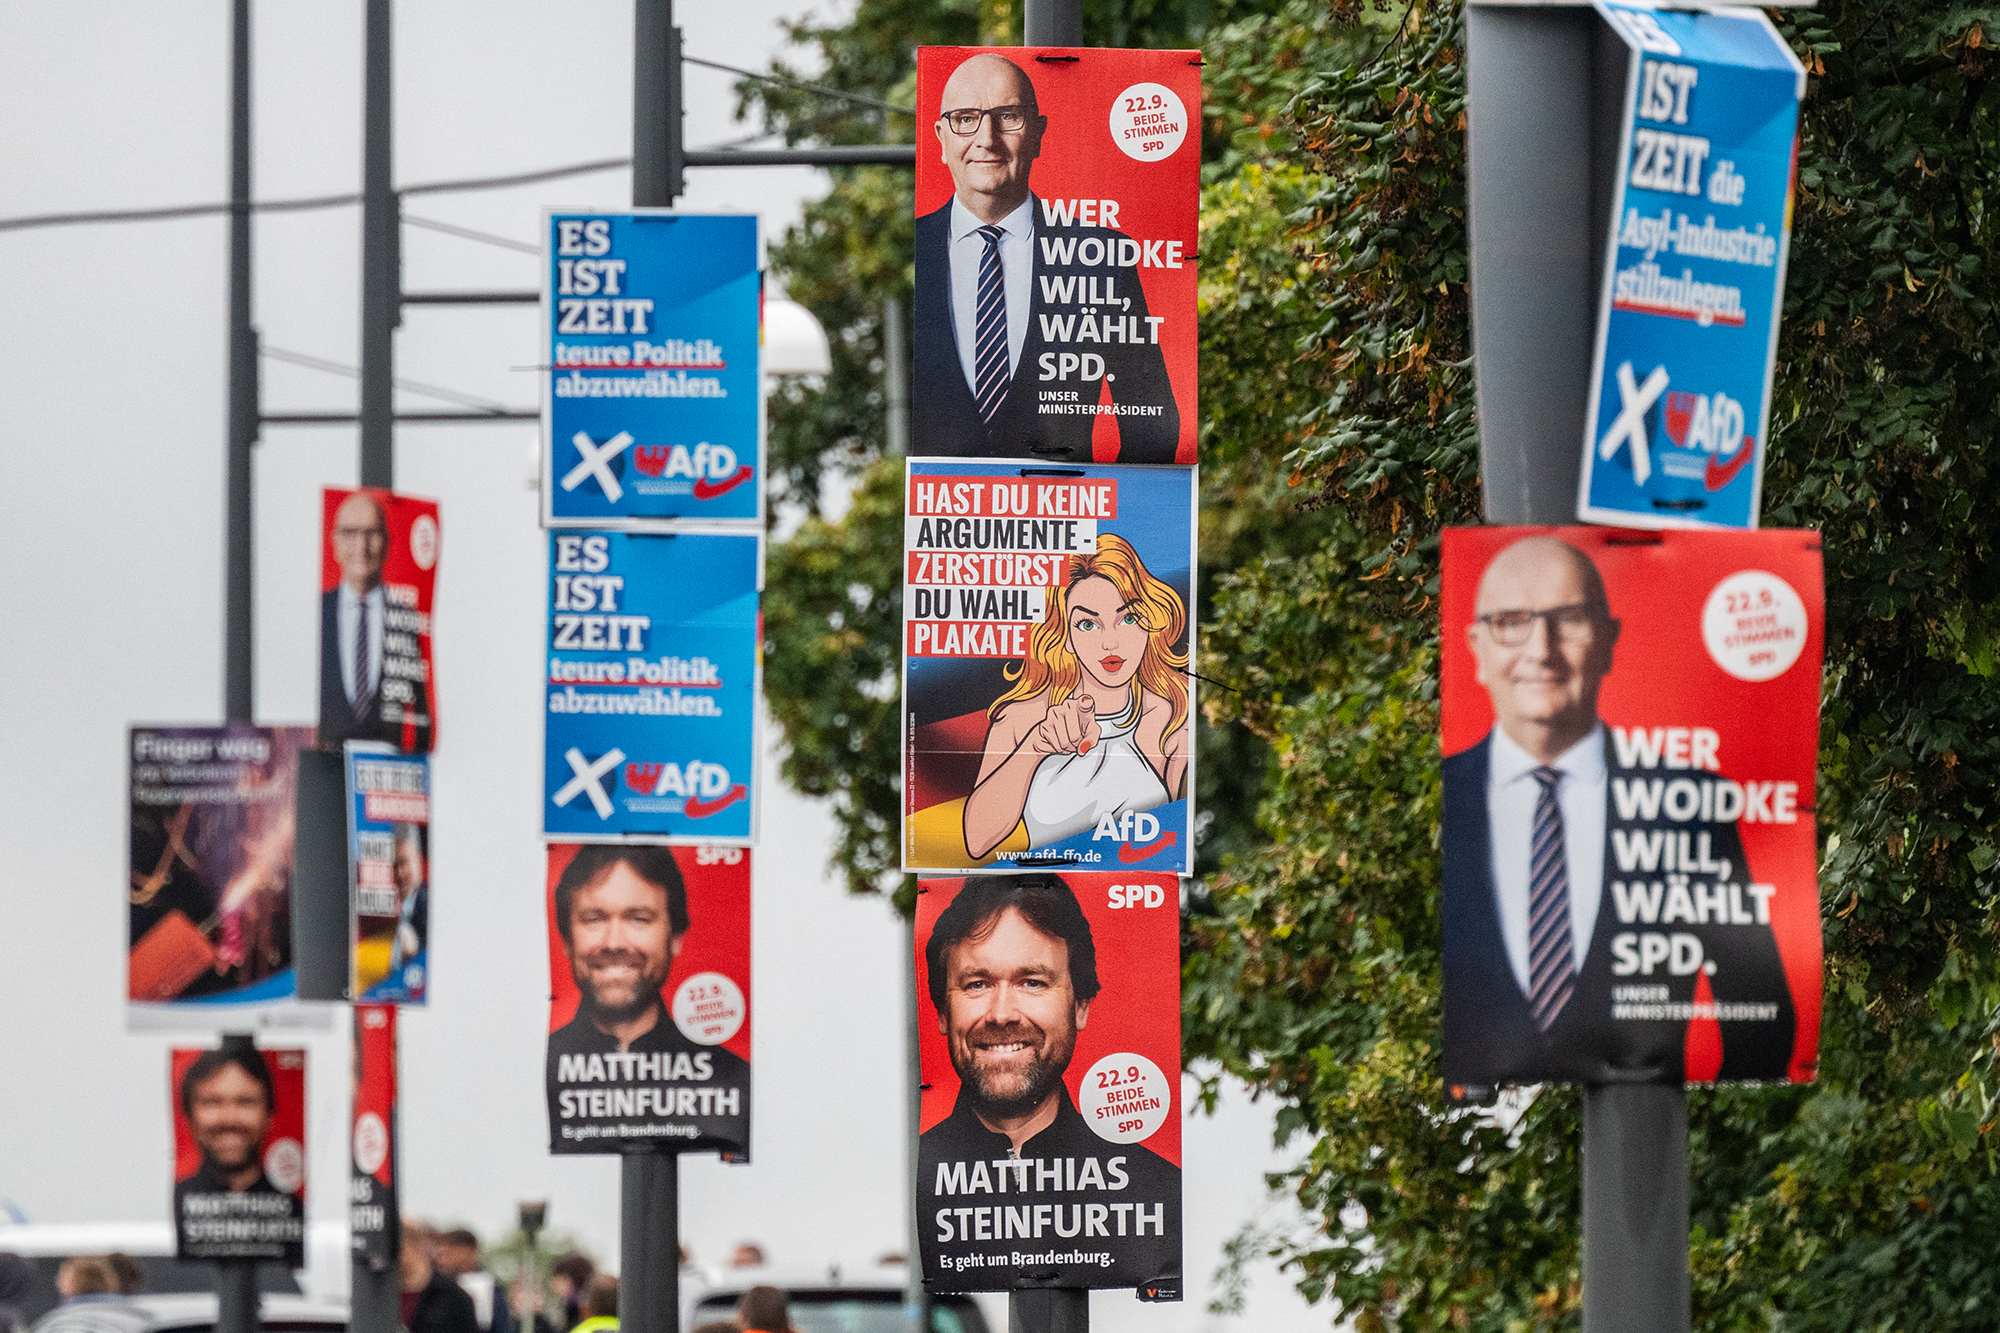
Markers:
1537,81
236,1279
238,703
381,259
649,1242
1050,1309
659,157
896,388
916,1301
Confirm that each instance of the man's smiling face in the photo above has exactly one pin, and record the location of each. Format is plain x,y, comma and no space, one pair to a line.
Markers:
621,944
1011,1016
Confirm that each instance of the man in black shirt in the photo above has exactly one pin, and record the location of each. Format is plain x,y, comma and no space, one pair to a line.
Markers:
227,1099
1014,1188
622,1069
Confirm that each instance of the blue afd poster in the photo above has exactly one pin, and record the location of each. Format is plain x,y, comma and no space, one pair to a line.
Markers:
1687,324
388,863
651,411
652,686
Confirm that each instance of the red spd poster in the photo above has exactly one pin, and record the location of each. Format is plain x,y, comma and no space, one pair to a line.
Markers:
378,568
1631,723
375,1223
1056,205
239,1153
649,998
1050,1038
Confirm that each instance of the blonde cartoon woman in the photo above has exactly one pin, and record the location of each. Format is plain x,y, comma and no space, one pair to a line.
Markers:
1096,723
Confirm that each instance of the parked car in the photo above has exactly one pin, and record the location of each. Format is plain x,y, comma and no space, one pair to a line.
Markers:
324,1279
191,1312
826,1301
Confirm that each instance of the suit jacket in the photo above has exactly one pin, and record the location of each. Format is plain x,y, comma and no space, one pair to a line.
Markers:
337,721
1490,1036
944,416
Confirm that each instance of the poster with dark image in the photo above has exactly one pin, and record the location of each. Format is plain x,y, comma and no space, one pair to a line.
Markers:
1631,728
1049,1035
374,1223
1054,311
649,998
214,823
378,571
239,1153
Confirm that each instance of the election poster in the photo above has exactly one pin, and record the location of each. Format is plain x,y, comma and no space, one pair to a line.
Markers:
652,686
378,572
1630,728
388,858
1049,1032
651,407
649,998
1046,637
239,1153
373,1219
214,823
1056,205
1694,274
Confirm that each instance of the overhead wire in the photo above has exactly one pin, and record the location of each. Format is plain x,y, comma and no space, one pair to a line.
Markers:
408,386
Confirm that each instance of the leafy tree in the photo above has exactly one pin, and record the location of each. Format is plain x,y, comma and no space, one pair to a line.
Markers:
1338,438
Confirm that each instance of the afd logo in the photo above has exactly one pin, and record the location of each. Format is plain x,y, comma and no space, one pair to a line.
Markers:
712,467
1711,424
1137,832
705,787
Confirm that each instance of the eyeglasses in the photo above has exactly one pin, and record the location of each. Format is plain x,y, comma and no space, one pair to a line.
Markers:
368,535
1574,623
1006,119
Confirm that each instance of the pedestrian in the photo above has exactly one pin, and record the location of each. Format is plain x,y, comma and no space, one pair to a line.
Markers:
764,1310
600,1306
130,1277
748,1254
571,1279
91,1303
458,1257
431,1301
16,1274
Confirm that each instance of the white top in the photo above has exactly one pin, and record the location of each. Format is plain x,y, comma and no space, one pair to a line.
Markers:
350,614
1511,796
1069,793
1017,262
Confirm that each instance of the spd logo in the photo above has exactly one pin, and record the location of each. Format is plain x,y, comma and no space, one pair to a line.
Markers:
1711,424
1137,833
705,788
712,467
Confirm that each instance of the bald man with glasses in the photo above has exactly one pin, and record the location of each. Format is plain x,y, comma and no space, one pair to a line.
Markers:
991,268
1544,980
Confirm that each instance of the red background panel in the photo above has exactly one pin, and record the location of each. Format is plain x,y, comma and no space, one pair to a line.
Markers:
288,1112
1663,676
375,1057
1138,1007
718,938
1158,200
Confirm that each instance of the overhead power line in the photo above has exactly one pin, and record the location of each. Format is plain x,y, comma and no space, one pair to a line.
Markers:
408,386
819,88
452,229
173,211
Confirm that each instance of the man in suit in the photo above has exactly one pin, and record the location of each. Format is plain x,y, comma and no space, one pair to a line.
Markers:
1583,892
353,647
1007,287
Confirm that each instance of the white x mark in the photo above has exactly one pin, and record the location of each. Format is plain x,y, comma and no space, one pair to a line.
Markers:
596,462
586,779
1635,401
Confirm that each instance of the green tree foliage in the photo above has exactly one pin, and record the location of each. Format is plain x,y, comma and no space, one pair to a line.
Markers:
1338,438
1854,1204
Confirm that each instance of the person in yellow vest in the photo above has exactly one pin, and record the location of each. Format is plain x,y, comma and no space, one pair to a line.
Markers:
600,1306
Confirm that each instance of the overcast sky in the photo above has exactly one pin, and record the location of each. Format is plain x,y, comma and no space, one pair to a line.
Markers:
112,347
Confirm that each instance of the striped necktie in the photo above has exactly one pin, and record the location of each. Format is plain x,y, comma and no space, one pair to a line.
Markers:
1551,955
990,371
362,694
